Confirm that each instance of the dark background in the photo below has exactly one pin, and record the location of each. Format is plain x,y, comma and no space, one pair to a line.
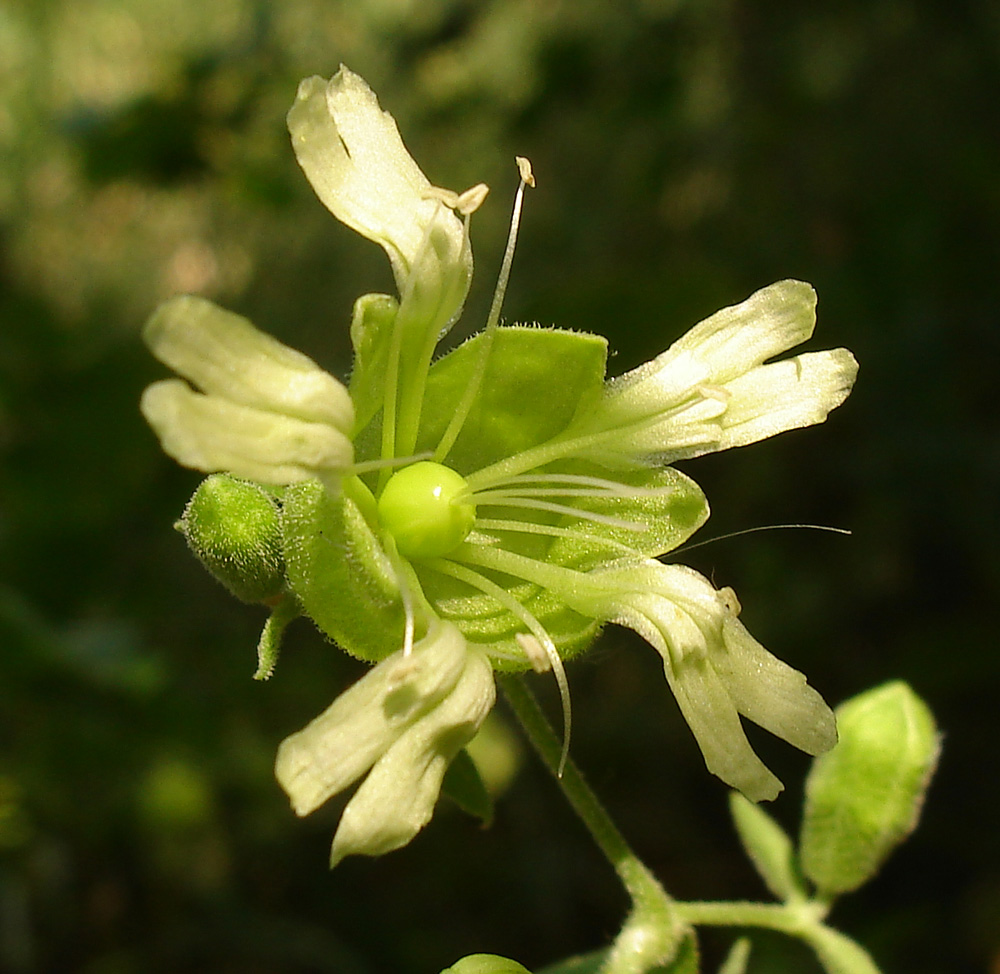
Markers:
687,153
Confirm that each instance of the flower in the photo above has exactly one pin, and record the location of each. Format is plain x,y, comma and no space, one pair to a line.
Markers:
504,502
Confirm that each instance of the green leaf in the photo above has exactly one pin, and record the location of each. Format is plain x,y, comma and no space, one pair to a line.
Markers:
534,382
837,953
864,797
338,570
465,787
371,336
769,848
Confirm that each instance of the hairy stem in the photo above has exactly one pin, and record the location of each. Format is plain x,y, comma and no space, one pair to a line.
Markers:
654,928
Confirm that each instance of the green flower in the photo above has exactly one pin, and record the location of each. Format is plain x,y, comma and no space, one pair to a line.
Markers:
504,501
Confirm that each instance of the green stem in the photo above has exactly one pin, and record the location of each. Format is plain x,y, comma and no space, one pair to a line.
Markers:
771,916
654,928
836,951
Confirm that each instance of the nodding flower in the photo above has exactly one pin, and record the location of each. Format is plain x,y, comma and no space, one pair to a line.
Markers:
491,509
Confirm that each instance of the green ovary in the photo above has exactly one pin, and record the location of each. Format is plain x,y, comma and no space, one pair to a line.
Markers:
428,510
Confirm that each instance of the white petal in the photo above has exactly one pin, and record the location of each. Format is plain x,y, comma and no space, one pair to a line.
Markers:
786,395
212,434
772,694
718,349
224,354
736,339
397,798
352,153
715,723
365,721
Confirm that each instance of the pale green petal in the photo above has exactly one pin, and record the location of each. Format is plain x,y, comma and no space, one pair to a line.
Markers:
710,390
710,713
703,699
716,669
225,355
772,694
655,387
212,434
770,321
786,395
721,347
352,153
364,722
397,798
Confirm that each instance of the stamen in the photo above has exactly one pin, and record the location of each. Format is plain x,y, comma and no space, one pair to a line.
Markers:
529,527
410,593
609,486
544,640
762,527
492,320
561,492
368,465
404,591
535,652
579,512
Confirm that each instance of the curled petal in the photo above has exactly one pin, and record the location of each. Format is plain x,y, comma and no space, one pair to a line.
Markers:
786,395
352,153
770,321
708,707
711,389
720,348
212,434
365,721
717,671
225,355
773,694
397,798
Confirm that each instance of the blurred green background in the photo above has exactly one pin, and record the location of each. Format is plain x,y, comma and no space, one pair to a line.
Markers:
687,153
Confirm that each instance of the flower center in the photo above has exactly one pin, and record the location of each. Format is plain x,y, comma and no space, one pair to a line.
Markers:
428,510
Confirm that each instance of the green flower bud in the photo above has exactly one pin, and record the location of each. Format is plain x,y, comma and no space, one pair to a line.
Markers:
232,527
865,796
486,964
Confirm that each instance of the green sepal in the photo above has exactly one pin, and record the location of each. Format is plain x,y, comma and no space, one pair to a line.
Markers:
338,570
371,336
864,797
269,644
670,517
232,527
768,846
838,953
464,785
486,964
519,405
